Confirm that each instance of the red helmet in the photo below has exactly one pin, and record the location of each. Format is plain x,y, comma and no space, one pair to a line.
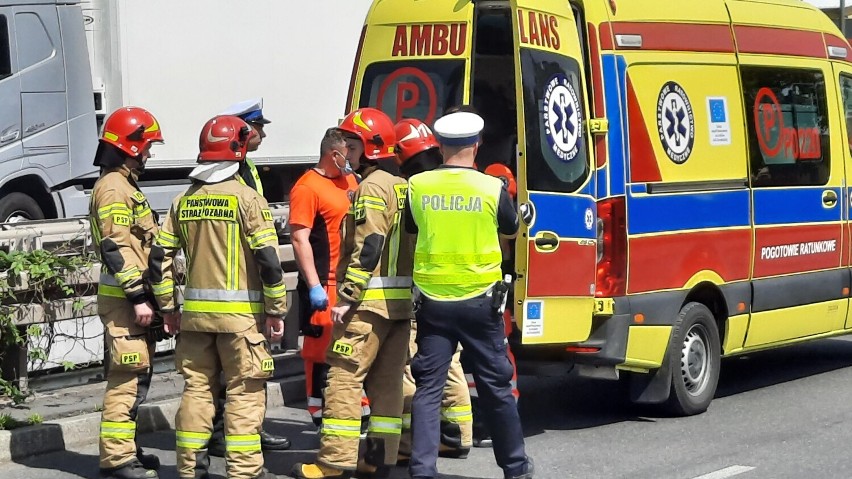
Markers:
413,137
224,138
375,129
505,174
131,129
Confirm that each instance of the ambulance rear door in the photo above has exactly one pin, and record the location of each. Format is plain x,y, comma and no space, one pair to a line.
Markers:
414,58
556,246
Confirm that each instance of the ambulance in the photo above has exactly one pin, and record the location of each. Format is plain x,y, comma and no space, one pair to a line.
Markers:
680,168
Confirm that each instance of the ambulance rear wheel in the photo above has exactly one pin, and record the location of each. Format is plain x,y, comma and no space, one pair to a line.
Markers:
694,355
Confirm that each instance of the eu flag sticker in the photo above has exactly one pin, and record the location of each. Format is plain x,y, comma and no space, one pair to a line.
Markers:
720,125
533,319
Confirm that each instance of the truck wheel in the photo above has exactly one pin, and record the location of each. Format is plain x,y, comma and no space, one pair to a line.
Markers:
694,356
15,207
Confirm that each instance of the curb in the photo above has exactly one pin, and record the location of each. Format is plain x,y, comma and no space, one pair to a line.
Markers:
82,430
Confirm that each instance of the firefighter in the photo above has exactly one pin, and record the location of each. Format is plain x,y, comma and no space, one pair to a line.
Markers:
457,213
234,282
319,201
418,151
250,111
369,343
123,229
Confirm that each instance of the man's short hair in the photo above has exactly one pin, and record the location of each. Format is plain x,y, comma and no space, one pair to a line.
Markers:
332,139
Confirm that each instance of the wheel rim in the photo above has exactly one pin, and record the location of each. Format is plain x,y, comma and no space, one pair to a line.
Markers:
17,216
695,360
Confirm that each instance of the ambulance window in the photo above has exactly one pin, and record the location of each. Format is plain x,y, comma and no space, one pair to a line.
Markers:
787,126
555,145
418,89
846,91
5,49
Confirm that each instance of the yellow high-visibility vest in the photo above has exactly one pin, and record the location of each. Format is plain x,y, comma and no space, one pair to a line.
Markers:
458,249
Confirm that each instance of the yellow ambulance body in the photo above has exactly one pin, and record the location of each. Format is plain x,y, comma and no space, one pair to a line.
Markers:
680,166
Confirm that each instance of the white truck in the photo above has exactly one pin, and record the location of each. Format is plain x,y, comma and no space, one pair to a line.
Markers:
66,64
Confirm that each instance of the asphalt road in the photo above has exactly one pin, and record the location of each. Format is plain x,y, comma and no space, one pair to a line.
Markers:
778,414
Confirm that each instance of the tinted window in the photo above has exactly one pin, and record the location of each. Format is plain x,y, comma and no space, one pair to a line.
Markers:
787,126
846,91
421,90
5,49
557,159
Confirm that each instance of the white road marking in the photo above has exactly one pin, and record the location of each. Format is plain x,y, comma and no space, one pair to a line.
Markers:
726,472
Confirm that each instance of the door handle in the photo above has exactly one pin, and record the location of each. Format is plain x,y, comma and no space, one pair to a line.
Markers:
546,241
12,135
829,198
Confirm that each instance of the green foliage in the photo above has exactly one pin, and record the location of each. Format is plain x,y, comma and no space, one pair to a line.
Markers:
35,277
35,418
7,422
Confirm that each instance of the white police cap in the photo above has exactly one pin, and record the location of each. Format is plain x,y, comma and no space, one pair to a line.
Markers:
459,129
251,111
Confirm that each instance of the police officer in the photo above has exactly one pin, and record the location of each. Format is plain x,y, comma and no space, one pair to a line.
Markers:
369,343
250,111
123,228
234,282
418,151
458,212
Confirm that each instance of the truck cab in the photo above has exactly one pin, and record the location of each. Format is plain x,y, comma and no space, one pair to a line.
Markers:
47,118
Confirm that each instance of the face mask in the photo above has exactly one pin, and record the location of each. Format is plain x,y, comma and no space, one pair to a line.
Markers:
347,168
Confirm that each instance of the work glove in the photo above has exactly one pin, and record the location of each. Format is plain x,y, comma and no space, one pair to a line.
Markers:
156,332
319,298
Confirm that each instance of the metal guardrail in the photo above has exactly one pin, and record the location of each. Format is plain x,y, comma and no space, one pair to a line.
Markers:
72,236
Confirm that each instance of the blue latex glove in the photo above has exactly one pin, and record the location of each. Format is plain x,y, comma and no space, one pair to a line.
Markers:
319,299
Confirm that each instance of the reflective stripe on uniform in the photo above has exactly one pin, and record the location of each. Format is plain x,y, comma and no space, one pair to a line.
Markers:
275,291
457,414
422,277
389,282
236,307
341,427
167,240
385,425
457,258
385,294
406,421
471,385
118,430
242,442
192,440
372,202
200,294
113,208
232,280
358,276
128,275
164,288
111,291
262,237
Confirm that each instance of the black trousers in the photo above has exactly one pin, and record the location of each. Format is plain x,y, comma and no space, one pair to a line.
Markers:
441,325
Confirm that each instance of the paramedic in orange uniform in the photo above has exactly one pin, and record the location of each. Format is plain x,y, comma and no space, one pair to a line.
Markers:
319,202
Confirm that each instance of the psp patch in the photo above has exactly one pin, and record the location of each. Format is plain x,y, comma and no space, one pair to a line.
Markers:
563,122
675,122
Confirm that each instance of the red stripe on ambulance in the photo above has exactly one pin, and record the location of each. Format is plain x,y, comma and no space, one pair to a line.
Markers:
793,249
643,161
779,41
678,37
569,261
669,261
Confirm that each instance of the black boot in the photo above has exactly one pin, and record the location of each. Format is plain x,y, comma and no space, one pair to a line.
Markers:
202,464
148,461
216,445
529,471
130,470
266,475
271,442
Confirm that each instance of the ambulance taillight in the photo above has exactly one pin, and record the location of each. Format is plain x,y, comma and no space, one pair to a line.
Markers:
611,275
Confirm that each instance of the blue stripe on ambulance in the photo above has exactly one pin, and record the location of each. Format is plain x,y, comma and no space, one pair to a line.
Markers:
611,182
566,215
772,206
660,213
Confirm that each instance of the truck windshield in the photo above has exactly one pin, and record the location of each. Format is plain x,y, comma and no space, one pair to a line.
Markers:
418,89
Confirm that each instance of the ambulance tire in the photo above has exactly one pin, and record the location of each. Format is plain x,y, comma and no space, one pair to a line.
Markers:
694,356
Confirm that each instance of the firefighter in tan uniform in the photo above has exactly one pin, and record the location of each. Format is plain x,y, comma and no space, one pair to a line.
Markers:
369,344
234,281
123,228
418,151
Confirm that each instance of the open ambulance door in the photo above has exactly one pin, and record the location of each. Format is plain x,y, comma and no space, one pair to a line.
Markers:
556,252
413,60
